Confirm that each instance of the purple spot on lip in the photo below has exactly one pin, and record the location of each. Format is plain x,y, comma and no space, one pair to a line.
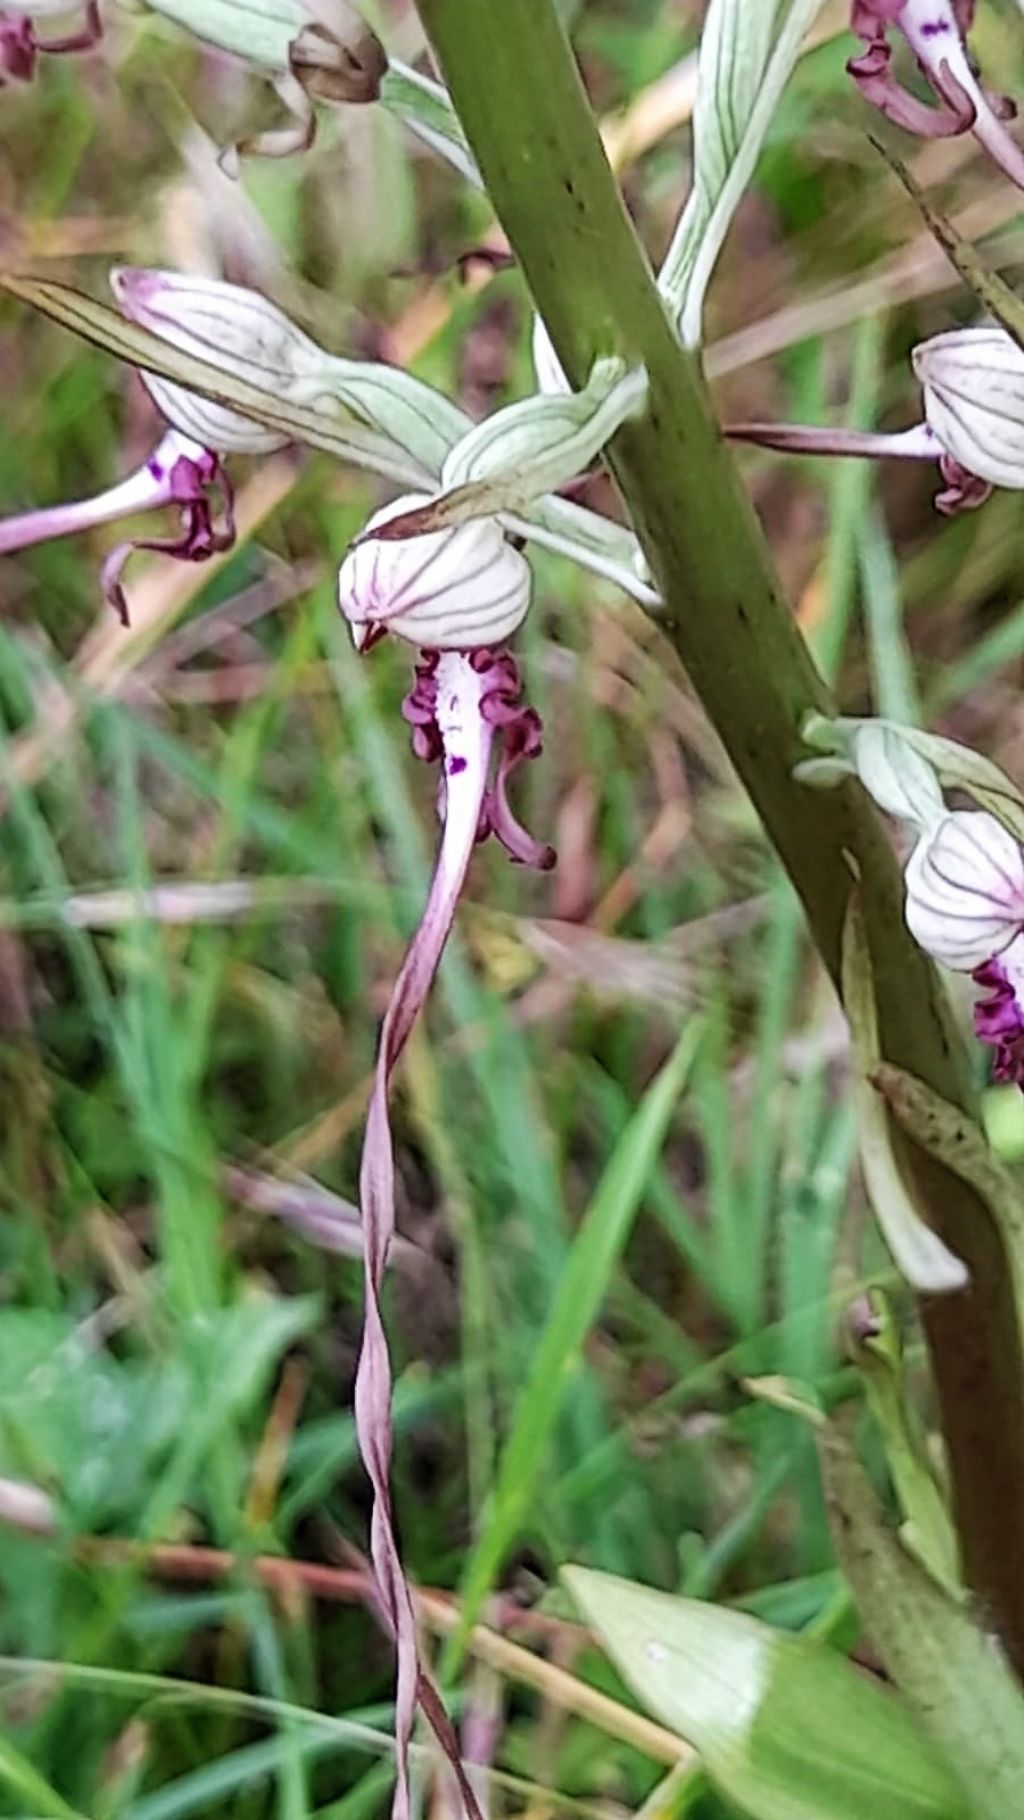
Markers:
455,765
934,28
155,467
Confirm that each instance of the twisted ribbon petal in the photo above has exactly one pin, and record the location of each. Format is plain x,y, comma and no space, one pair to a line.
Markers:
461,705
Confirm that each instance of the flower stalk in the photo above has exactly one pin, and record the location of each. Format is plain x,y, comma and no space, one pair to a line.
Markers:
518,94
972,383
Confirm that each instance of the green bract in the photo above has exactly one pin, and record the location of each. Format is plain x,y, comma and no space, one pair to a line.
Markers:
528,449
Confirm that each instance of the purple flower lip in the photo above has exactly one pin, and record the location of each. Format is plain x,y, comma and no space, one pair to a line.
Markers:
494,684
20,46
999,1021
936,31
179,473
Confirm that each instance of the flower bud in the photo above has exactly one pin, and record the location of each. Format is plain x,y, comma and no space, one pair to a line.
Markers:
973,383
965,889
237,330
456,590
325,43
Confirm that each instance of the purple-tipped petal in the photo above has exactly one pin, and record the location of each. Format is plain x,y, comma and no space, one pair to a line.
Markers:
918,443
154,484
963,490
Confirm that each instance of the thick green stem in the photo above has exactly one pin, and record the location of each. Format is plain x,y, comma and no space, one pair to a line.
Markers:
517,91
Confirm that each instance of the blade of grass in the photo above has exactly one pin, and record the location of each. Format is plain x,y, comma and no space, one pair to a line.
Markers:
595,1251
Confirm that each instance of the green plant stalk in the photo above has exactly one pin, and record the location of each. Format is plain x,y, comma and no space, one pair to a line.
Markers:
516,88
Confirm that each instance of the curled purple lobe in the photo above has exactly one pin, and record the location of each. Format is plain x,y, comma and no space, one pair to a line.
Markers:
201,487
963,491
20,47
999,1017
936,31
179,472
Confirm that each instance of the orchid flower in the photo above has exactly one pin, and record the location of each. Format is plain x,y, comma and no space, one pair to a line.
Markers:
936,31
179,472
972,383
458,594
965,906
247,336
20,46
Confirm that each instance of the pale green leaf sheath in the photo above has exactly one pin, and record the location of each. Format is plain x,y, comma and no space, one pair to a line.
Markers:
747,54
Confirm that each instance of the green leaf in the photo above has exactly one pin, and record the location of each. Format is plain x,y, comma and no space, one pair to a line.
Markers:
785,1727
747,54
24,1779
927,1529
948,1668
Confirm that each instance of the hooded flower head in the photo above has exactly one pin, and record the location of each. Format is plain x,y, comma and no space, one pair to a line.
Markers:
179,473
973,386
238,330
446,590
456,594
965,906
936,31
